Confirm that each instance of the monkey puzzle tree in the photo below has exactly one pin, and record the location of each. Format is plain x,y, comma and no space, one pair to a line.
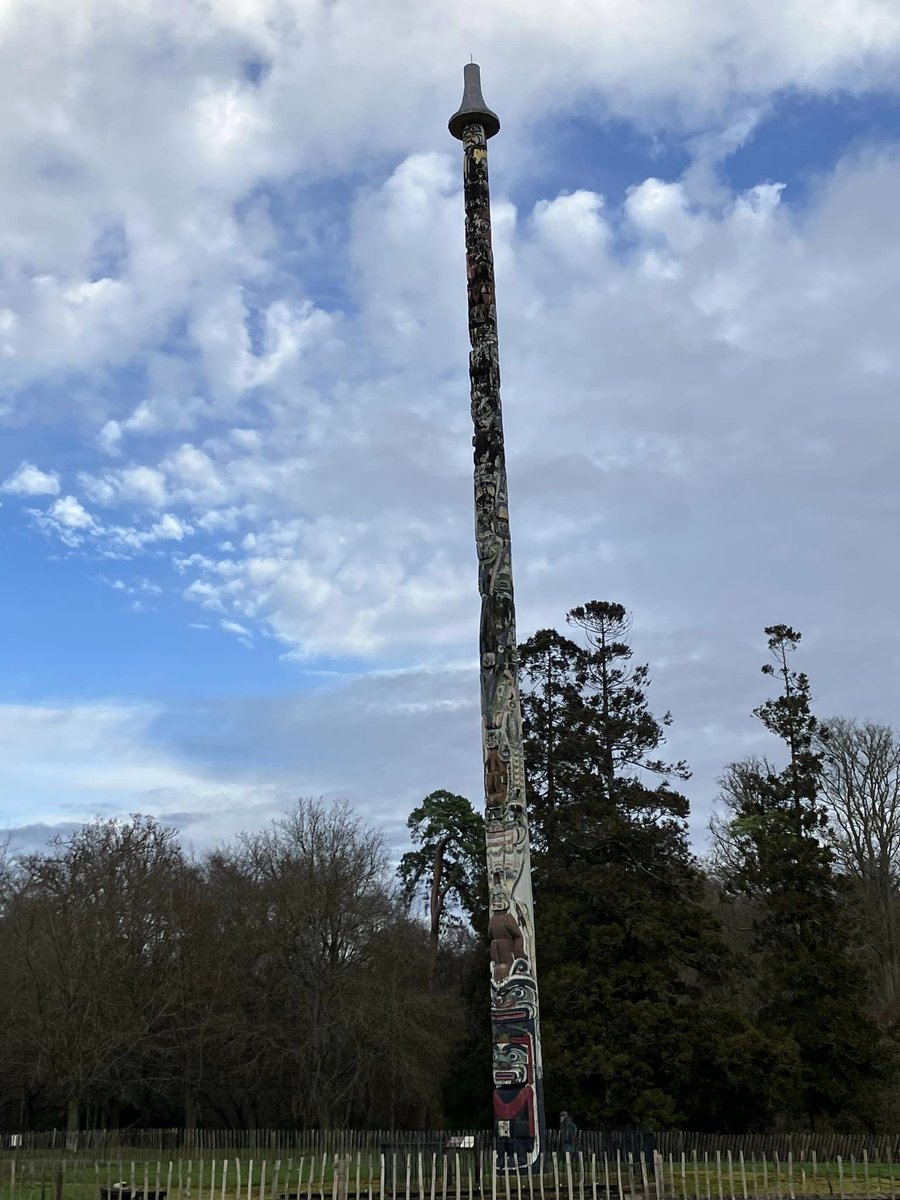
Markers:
626,942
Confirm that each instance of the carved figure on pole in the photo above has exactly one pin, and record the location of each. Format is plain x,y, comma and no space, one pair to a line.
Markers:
515,1021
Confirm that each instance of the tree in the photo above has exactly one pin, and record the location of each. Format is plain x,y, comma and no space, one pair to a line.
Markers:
204,982
89,927
629,733
336,967
861,794
449,861
553,727
627,945
809,987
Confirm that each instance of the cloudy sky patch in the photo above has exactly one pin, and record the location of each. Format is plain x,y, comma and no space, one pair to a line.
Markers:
236,529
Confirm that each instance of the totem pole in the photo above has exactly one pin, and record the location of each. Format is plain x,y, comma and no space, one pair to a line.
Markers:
515,1024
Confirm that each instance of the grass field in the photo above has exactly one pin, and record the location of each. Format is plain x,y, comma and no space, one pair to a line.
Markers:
327,1177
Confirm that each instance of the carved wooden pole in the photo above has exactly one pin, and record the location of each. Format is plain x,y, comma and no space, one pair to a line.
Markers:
515,1023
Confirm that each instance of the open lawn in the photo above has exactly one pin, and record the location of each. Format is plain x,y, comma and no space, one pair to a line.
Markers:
455,1177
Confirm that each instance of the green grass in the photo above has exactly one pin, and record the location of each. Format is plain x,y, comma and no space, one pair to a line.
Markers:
79,1178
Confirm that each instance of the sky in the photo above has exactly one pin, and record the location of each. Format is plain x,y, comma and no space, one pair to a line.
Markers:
237,562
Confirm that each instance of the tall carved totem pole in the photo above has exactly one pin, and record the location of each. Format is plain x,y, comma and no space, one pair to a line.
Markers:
515,1022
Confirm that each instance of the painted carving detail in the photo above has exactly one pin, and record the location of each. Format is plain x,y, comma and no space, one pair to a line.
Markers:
514,998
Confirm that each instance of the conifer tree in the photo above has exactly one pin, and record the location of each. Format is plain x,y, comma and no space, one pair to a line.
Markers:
809,985
629,954
448,862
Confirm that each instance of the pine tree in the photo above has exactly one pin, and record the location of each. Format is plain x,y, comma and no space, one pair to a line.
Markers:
449,862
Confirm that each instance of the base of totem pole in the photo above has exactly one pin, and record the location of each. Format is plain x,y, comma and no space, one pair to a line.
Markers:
518,1155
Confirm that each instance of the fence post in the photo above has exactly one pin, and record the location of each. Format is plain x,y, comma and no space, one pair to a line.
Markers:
659,1175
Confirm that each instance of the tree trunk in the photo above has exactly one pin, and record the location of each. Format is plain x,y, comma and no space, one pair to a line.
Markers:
73,1111
190,1108
436,909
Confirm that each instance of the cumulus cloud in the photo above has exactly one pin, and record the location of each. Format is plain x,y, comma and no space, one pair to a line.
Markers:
132,207
258,318
30,480
649,353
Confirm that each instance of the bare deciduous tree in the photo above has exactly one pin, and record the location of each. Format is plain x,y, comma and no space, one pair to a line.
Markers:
92,946
861,787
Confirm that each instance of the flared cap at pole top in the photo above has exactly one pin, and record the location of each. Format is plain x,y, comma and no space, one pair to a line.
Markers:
473,110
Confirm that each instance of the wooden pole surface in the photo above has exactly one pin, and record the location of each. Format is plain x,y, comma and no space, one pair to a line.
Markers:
515,1022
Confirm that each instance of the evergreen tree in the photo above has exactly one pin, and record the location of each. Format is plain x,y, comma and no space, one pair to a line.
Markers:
554,725
448,862
629,953
809,986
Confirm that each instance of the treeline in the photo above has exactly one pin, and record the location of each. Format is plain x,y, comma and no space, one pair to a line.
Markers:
278,982
290,980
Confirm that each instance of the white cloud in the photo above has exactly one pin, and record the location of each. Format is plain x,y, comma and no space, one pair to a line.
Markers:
30,480
139,485
645,373
657,207
124,217
170,528
106,762
233,765
686,374
110,437
71,514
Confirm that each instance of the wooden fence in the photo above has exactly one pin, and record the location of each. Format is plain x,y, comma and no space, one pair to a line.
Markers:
291,1143
467,1172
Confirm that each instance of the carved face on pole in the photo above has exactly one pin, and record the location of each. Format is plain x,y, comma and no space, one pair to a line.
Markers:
514,1000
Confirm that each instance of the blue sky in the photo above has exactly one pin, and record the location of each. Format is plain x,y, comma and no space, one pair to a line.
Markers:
236,528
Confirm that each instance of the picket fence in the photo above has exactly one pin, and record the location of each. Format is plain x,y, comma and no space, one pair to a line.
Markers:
179,1142
467,1172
